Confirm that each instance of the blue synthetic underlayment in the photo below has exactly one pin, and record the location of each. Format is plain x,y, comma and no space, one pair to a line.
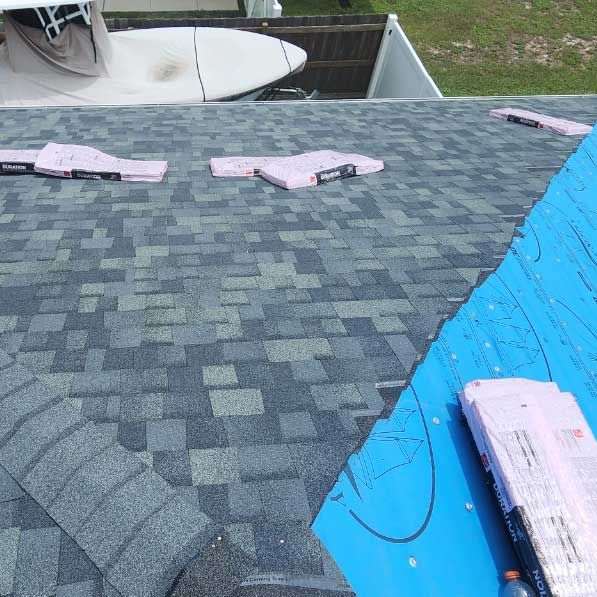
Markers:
405,494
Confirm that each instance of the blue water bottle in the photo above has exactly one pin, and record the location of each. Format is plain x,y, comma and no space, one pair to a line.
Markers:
515,586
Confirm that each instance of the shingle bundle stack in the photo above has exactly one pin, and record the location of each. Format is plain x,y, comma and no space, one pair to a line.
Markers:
79,161
304,170
541,121
318,167
541,457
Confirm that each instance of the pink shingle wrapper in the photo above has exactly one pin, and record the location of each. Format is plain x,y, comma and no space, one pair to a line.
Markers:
541,453
495,389
541,121
80,161
318,167
238,166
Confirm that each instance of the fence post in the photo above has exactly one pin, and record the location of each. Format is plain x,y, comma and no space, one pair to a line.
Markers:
382,57
263,8
276,9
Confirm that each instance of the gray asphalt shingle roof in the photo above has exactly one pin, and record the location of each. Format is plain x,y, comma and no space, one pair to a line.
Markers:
197,358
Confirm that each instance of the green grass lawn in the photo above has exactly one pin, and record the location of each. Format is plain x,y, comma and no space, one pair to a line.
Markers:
492,47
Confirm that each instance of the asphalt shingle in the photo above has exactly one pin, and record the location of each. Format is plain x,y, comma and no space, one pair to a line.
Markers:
9,544
37,562
114,523
160,549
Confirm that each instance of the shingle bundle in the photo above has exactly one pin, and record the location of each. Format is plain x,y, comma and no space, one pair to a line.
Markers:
303,170
238,166
79,161
541,457
541,121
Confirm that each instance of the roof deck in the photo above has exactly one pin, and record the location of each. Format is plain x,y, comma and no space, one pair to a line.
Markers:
231,334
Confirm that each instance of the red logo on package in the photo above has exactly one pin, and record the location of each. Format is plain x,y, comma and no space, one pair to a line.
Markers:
577,433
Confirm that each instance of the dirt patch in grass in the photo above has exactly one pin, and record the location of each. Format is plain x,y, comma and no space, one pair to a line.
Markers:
539,50
587,48
570,50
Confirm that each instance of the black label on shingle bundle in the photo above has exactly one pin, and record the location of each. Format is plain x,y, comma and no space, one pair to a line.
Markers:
17,168
520,530
337,173
526,121
523,537
526,548
84,174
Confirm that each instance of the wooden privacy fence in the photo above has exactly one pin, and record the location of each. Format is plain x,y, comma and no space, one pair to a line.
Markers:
342,49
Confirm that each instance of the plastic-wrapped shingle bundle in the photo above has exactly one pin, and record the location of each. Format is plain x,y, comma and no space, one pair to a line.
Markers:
80,161
318,167
238,166
541,121
541,457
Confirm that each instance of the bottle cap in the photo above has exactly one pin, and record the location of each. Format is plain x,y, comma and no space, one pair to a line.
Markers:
511,575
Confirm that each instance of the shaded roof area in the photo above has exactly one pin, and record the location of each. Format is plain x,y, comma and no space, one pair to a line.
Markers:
208,349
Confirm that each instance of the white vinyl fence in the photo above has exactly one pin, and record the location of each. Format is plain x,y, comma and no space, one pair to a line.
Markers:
263,8
398,70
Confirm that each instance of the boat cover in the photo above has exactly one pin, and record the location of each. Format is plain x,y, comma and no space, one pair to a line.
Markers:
148,66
